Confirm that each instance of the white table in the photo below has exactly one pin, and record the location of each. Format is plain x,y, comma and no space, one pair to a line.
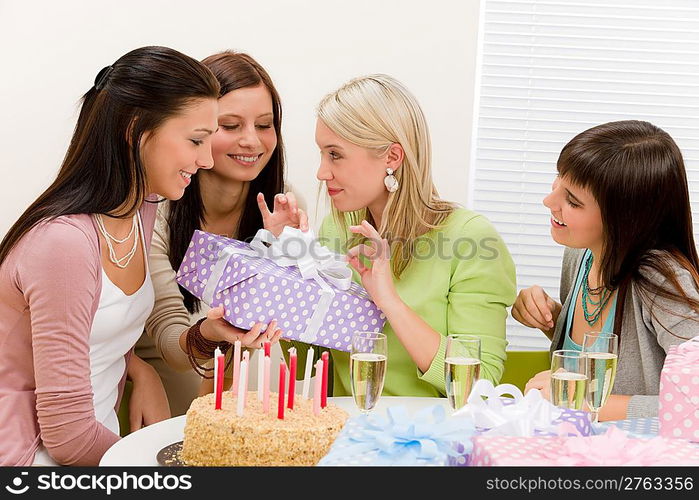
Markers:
142,446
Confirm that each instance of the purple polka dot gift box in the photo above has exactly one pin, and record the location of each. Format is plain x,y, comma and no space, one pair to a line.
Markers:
678,413
291,279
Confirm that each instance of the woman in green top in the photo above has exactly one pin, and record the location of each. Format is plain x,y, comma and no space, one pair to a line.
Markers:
448,272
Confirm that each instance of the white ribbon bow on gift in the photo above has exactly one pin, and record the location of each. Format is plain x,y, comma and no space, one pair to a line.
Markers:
293,248
521,418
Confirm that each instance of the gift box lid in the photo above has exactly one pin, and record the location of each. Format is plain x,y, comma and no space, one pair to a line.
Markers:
241,263
201,259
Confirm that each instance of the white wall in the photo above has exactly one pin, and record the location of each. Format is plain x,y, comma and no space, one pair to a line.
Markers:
52,51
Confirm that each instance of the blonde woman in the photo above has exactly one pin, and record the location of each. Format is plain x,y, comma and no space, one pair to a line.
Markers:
448,270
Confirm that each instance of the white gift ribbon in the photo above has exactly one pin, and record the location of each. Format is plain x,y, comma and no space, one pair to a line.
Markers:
521,418
293,248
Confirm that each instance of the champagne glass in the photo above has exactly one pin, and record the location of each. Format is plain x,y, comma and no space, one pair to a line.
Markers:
368,361
568,379
462,367
601,352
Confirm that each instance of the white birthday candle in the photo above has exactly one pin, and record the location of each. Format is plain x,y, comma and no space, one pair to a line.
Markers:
307,373
260,373
236,365
242,386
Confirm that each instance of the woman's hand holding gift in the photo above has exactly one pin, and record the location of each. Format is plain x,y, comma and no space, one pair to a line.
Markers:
217,329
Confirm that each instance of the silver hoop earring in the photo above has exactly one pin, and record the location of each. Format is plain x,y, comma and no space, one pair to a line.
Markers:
390,181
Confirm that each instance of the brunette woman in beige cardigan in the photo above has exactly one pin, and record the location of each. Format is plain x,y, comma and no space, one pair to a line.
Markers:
248,168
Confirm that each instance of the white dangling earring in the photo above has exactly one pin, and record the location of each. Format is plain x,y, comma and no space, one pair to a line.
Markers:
390,181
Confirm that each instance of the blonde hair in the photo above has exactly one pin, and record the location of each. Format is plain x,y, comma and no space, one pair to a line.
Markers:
375,112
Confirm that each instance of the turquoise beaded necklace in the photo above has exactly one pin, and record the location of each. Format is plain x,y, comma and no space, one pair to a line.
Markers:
587,297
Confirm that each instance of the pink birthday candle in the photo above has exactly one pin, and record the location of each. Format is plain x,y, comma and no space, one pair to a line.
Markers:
282,377
244,385
292,377
217,353
219,365
317,389
326,364
236,365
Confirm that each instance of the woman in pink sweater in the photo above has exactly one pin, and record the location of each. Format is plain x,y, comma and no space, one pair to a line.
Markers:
74,284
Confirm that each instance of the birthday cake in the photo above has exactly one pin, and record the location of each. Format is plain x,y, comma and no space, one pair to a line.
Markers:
222,438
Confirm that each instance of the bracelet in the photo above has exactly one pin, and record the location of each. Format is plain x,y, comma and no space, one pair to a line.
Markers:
196,342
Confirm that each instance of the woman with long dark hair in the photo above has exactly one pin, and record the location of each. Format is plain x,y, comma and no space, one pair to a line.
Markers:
621,206
248,168
74,285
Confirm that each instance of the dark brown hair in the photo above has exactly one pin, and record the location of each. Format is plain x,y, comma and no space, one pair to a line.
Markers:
636,173
102,171
233,71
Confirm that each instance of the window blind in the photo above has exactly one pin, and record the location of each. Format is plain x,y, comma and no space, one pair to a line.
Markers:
548,70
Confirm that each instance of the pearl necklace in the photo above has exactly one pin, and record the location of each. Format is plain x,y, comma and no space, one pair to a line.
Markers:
124,261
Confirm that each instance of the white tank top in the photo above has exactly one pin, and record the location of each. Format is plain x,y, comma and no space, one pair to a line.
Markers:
117,325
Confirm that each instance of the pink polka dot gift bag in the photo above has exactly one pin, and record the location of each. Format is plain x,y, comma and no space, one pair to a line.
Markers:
292,279
614,447
678,413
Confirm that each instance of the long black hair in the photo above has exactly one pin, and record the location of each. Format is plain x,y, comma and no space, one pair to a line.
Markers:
233,71
102,171
636,173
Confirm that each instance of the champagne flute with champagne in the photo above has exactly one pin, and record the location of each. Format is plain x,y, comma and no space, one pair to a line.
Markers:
601,353
462,367
368,361
568,379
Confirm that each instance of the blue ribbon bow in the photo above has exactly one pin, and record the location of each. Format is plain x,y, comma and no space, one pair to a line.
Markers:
400,439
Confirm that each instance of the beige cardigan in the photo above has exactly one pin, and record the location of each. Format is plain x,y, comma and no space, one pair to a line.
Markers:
169,317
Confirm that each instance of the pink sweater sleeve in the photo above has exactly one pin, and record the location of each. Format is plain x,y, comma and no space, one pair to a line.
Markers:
60,275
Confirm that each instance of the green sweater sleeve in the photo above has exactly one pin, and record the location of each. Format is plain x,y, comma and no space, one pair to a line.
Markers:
482,286
465,289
